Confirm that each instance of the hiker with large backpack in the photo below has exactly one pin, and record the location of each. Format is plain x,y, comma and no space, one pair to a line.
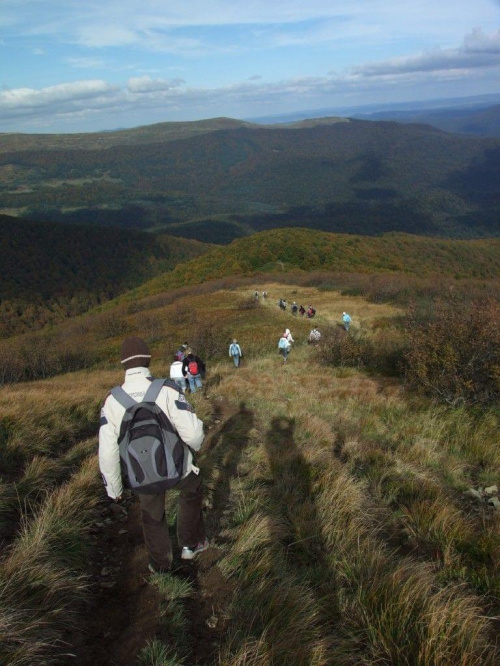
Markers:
235,353
193,368
147,435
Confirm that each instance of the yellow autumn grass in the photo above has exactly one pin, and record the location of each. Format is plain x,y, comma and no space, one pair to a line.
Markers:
354,443
337,500
42,575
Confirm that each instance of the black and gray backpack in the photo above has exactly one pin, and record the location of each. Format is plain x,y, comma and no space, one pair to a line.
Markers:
151,451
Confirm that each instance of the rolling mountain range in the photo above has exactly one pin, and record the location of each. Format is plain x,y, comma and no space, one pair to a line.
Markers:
478,115
222,179
475,122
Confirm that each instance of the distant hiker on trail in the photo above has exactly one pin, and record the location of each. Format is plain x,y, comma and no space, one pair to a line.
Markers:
149,430
235,352
192,368
314,336
347,320
302,310
311,312
264,294
181,352
282,303
176,374
256,295
285,344
295,308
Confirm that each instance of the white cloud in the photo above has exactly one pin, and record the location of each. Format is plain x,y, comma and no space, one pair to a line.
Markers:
145,84
156,24
478,50
151,97
478,42
27,98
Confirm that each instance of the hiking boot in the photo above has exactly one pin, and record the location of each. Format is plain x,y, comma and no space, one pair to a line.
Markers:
191,553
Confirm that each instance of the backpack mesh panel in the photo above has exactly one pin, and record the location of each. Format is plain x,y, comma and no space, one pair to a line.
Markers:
161,461
138,473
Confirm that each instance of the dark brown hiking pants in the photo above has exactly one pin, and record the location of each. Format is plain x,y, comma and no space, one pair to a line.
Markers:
190,525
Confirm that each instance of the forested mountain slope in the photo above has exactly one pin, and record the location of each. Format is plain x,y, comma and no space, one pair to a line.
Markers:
52,270
308,250
356,177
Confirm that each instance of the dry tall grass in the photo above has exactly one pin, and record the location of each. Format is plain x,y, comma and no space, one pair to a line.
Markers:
337,501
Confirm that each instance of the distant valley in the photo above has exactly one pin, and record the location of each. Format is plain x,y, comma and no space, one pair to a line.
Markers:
221,179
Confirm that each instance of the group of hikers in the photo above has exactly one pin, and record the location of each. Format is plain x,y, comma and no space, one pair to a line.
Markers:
148,434
309,312
187,369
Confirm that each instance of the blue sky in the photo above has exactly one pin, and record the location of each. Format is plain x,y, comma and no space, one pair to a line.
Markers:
86,65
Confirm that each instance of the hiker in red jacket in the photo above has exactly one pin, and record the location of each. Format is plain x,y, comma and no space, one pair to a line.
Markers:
192,369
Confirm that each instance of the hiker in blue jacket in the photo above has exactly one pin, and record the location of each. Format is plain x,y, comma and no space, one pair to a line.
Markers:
235,352
347,320
285,344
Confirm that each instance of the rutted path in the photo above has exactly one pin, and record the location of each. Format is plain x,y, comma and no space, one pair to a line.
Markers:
125,611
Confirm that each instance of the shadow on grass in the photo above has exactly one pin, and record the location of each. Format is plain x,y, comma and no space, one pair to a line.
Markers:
225,454
305,551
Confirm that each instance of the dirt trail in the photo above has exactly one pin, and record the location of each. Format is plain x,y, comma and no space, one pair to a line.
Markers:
124,610
122,614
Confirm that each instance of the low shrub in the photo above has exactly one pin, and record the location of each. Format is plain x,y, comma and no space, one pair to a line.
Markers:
250,303
210,342
40,356
382,352
454,352
342,349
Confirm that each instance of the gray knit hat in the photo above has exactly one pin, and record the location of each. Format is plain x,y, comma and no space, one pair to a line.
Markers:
135,353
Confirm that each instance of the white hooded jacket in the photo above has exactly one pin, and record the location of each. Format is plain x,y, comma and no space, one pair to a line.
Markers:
171,401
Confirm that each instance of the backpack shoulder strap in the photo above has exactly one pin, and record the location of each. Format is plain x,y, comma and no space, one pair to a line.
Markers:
153,390
123,397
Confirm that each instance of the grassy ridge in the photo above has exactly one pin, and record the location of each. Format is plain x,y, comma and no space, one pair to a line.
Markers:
311,250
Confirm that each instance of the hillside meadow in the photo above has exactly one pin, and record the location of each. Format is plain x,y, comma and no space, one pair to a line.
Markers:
338,503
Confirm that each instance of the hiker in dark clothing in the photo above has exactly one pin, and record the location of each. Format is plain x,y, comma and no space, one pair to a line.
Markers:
302,310
310,312
181,352
172,406
192,368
